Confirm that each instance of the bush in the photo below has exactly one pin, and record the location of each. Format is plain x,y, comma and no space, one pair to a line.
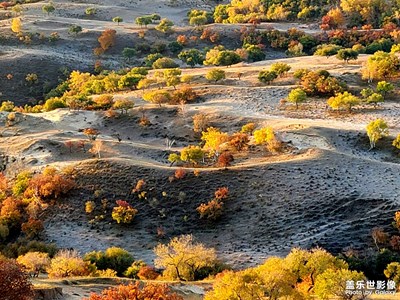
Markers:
280,68
225,159
200,122
34,262
239,140
134,269
123,213
164,63
54,103
135,292
7,106
158,96
14,282
184,94
211,210
267,76
147,273
215,75
67,263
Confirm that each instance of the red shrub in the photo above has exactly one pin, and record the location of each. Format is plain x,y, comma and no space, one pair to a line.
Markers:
14,282
225,159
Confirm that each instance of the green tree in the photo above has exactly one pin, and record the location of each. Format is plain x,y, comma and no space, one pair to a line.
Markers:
117,20
172,77
280,68
192,154
164,63
297,96
374,99
165,25
343,100
48,8
220,57
182,258
376,130
90,11
267,76
347,55
327,50
384,87
74,29
143,21
129,53
215,75
191,57
123,104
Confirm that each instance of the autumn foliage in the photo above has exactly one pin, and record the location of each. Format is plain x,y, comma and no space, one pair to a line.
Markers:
136,292
14,282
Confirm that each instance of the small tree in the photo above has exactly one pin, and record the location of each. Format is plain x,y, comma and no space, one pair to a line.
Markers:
182,258
384,87
34,262
124,105
267,76
215,75
129,53
165,26
48,8
374,99
74,29
117,20
67,263
90,11
264,135
192,154
280,69
16,25
191,57
347,55
327,50
376,130
396,142
343,100
297,96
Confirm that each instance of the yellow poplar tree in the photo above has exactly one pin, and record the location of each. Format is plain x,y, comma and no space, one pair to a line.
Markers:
16,25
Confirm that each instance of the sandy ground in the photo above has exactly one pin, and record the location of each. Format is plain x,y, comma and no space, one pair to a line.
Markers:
330,191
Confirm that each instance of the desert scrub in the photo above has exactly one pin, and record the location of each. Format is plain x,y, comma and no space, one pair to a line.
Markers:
123,213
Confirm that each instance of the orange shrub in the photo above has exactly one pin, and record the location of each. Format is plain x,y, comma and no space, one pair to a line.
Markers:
222,193
147,273
107,39
32,228
47,186
182,39
180,173
135,292
239,141
10,213
211,210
